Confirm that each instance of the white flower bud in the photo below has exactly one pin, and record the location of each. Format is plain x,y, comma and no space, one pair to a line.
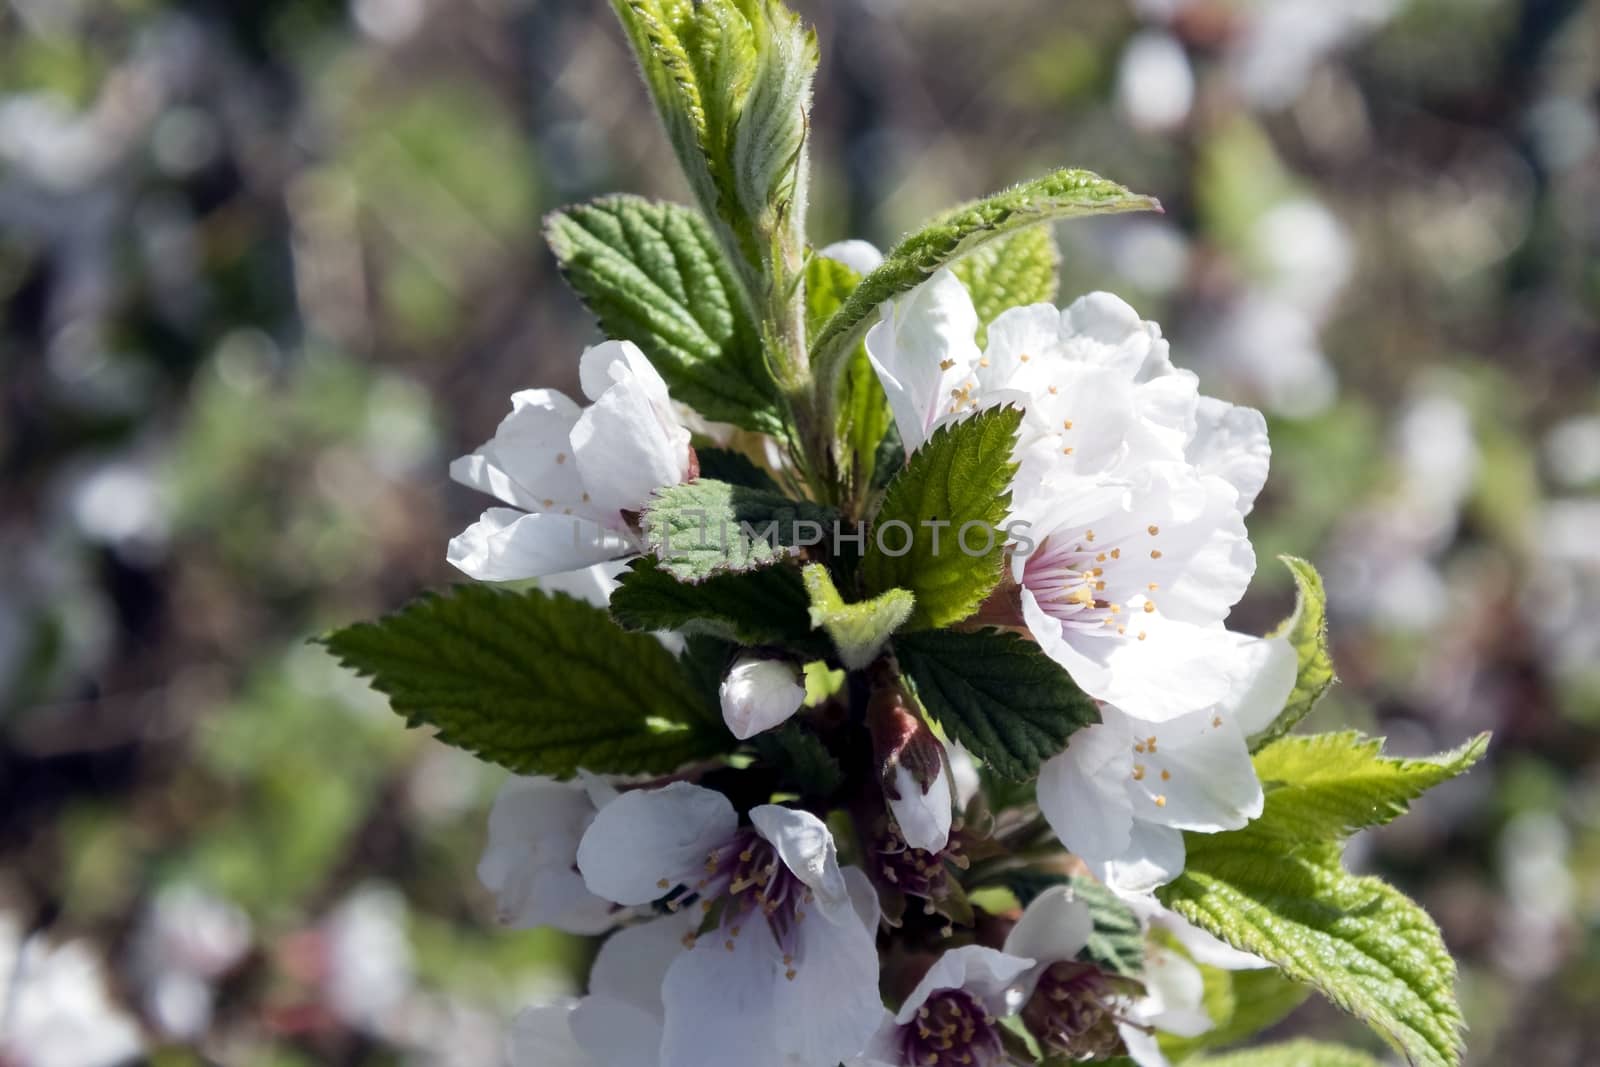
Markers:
759,694
922,812
912,768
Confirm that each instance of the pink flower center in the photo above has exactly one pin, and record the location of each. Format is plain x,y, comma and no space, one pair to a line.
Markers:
746,881
1089,585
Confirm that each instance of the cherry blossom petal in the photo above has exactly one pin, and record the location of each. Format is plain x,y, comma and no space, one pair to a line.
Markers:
862,257
505,545
1231,442
542,1036
1192,772
534,829
806,847
649,840
528,463
1054,927
1083,796
1154,857
924,347
615,1033
633,962
720,1004
835,983
628,443
984,972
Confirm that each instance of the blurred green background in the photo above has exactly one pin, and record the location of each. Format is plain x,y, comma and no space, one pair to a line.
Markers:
265,267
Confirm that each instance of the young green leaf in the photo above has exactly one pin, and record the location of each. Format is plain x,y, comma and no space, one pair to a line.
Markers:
653,28
945,508
1302,1053
763,606
731,80
1276,888
1359,941
1013,271
1116,940
1061,195
539,683
769,146
864,415
652,274
1007,702
1307,629
706,527
859,631
1327,786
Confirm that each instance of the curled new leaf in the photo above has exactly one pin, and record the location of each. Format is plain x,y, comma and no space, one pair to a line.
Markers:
859,631
1062,195
1307,630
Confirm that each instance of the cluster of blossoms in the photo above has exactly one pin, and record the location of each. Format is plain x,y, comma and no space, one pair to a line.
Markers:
954,809
740,936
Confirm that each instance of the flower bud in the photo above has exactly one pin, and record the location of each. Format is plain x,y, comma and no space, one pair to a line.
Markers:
759,694
911,767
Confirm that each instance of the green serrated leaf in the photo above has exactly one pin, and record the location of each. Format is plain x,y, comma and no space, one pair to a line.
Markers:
1007,702
652,274
1013,271
1276,888
1303,1053
764,606
1307,629
1359,941
1061,195
705,527
736,468
805,763
536,682
1325,787
859,631
960,480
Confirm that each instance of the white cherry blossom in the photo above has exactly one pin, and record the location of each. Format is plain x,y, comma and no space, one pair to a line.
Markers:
572,475
619,1024
953,1016
55,1010
530,861
1125,789
791,935
1073,1008
1131,493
